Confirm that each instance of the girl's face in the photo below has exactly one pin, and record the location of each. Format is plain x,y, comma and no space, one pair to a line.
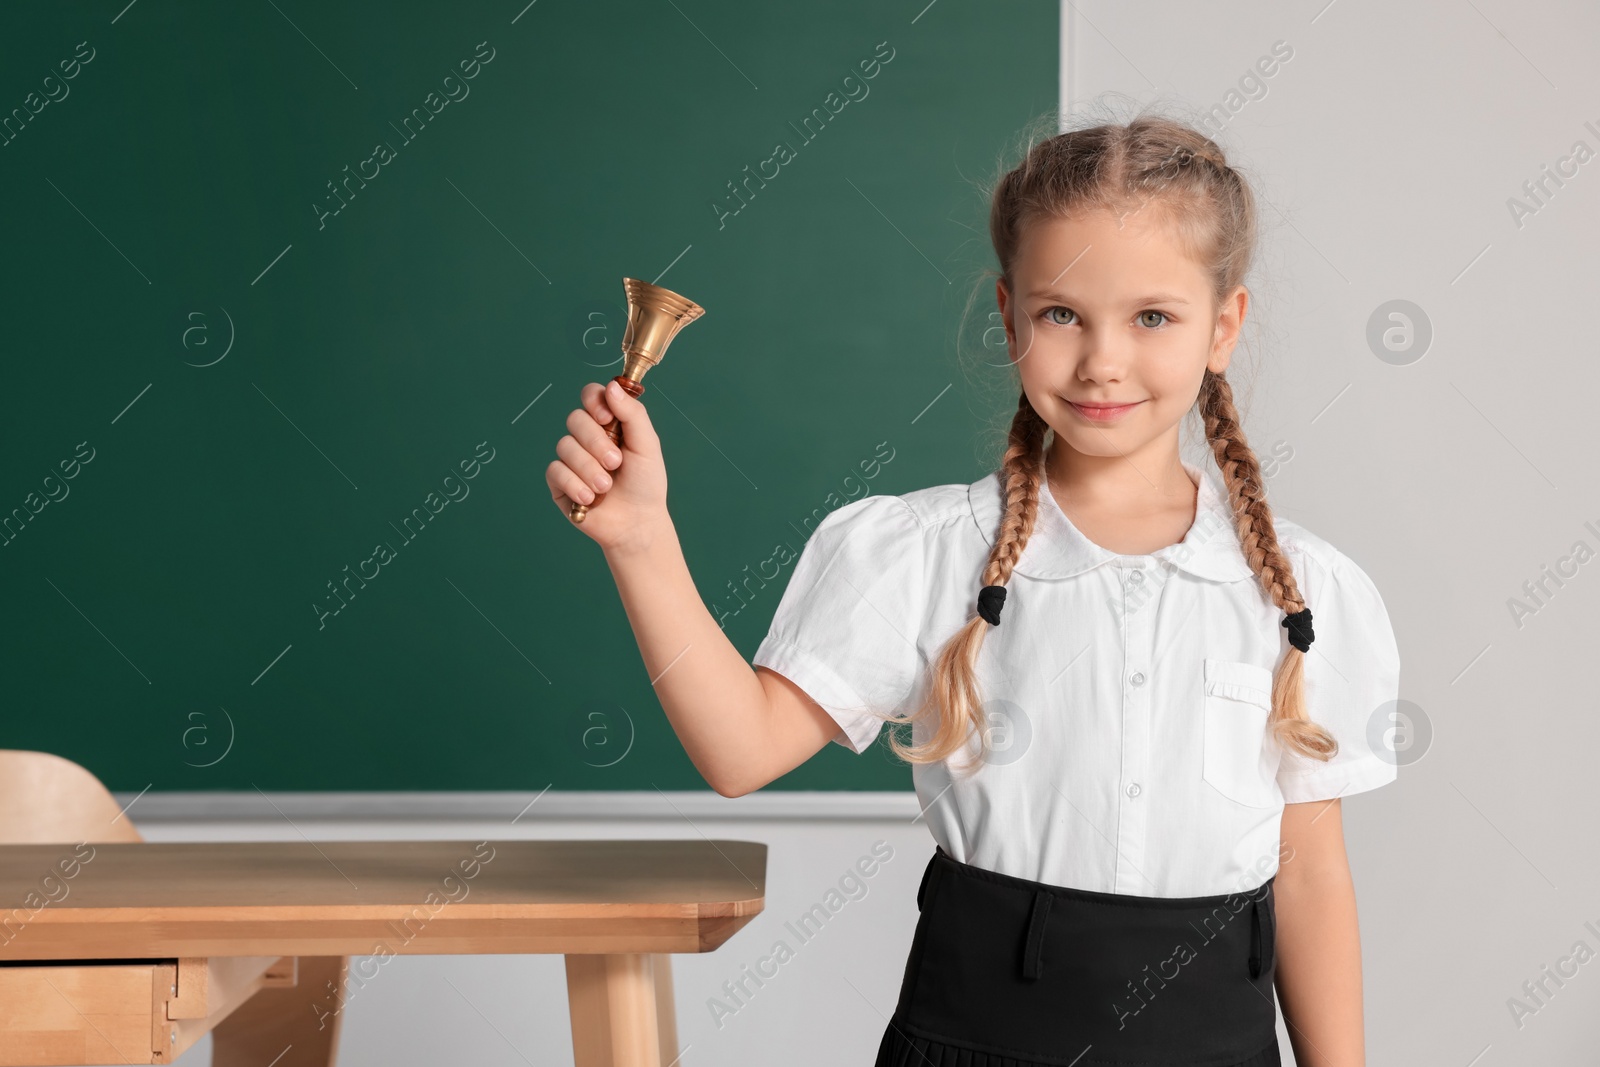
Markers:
1111,311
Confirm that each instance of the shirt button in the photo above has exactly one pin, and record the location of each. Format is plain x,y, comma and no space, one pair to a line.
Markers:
1136,577
1137,679
1133,789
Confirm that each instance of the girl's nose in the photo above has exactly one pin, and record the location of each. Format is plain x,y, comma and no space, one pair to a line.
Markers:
1102,359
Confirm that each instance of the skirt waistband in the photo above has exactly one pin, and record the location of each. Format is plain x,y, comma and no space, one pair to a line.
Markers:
1089,895
1262,926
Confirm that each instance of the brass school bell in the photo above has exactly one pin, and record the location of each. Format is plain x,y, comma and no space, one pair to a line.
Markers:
655,315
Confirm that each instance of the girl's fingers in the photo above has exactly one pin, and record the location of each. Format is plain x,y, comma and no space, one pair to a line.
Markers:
593,397
630,411
582,464
565,485
593,437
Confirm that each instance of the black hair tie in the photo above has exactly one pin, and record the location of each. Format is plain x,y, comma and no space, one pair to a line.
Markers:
991,598
1299,626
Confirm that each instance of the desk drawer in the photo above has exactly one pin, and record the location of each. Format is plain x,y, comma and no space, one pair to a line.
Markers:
122,1011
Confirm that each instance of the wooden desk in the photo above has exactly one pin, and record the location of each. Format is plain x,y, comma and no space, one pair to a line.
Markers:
200,924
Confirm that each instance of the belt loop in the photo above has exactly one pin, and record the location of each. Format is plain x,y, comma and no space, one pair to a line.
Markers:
1255,939
1033,946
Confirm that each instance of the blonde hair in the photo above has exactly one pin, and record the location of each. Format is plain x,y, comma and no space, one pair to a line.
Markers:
1184,177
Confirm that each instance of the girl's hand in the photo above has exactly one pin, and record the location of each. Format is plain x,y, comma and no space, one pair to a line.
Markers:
633,486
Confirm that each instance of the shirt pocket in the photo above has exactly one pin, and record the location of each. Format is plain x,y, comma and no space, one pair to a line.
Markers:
1240,761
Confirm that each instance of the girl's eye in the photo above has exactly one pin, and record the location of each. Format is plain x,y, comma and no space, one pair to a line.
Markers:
1049,315
1057,307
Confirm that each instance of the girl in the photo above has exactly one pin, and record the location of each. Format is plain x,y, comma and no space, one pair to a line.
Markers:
1134,784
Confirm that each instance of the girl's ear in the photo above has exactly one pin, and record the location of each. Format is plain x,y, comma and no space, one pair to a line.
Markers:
1003,299
1230,320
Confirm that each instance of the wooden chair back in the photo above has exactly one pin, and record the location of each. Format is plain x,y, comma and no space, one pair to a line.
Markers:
47,799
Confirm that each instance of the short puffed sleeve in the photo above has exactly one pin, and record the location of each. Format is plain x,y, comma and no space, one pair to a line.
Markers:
1352,680
846,628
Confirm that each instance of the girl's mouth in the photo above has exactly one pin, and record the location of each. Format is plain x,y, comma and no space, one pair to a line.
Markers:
1104,413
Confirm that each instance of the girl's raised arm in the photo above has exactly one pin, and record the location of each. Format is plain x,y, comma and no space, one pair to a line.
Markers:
741,728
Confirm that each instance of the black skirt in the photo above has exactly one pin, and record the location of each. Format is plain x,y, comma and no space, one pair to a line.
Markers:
1007,972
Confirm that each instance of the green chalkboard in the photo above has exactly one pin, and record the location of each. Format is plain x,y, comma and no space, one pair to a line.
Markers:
288,282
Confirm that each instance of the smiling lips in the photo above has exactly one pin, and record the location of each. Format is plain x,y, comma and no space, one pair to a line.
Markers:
1103,412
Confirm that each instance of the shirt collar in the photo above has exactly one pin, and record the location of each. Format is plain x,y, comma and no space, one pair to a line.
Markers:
1056,549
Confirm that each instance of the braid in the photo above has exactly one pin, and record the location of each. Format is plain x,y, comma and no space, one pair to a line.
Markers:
1020,473
955,673
1259,539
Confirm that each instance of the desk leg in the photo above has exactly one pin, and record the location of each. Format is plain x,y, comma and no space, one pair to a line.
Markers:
622,1010
666,1011
298,1024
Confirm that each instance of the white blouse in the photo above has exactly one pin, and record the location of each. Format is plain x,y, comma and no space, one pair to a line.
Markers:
1127,696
